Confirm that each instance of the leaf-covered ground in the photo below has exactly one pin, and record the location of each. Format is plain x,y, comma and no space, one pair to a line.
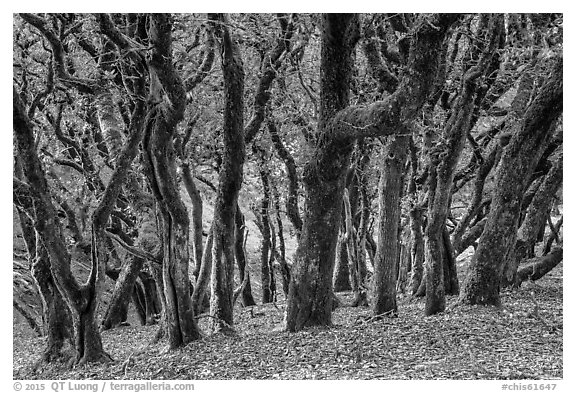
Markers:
522,340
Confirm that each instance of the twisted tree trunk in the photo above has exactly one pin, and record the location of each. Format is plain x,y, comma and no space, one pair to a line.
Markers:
310,296
535,220
535,128
168,96
230,179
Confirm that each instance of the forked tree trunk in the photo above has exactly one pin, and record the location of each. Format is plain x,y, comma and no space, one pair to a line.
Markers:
82,301
310,296
169,100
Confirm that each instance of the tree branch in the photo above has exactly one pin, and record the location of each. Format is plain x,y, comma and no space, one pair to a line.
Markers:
137,252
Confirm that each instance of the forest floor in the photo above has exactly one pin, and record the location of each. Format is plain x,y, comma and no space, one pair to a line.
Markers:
521,340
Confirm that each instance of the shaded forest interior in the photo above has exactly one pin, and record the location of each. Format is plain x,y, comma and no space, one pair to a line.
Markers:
192,173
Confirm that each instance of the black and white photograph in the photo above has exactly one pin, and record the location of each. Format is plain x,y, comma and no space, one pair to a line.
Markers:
287,196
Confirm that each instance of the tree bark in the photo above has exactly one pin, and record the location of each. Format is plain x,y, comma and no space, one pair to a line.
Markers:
82,301
240,253
230,179
281,257
203,275
352,243
537,268
457,126
56,317
266,271
554,235
535,220
482,285
387,255
310,296
168,99
404,263
196,213
416,249
482,173
342,272
292,210
57,325
123,289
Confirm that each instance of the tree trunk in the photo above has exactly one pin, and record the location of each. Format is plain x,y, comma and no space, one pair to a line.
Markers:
57,324
554,235
230,179
56,317
342,272
416,249
292,210
281,257
310,296
405,263
482,285
536,215
482,173
265,268
110,125
139,302
152,301
120,300
353,254
82,301
239,246
537,268
456,128
451,284
387,256
196,217
168,96
199,293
